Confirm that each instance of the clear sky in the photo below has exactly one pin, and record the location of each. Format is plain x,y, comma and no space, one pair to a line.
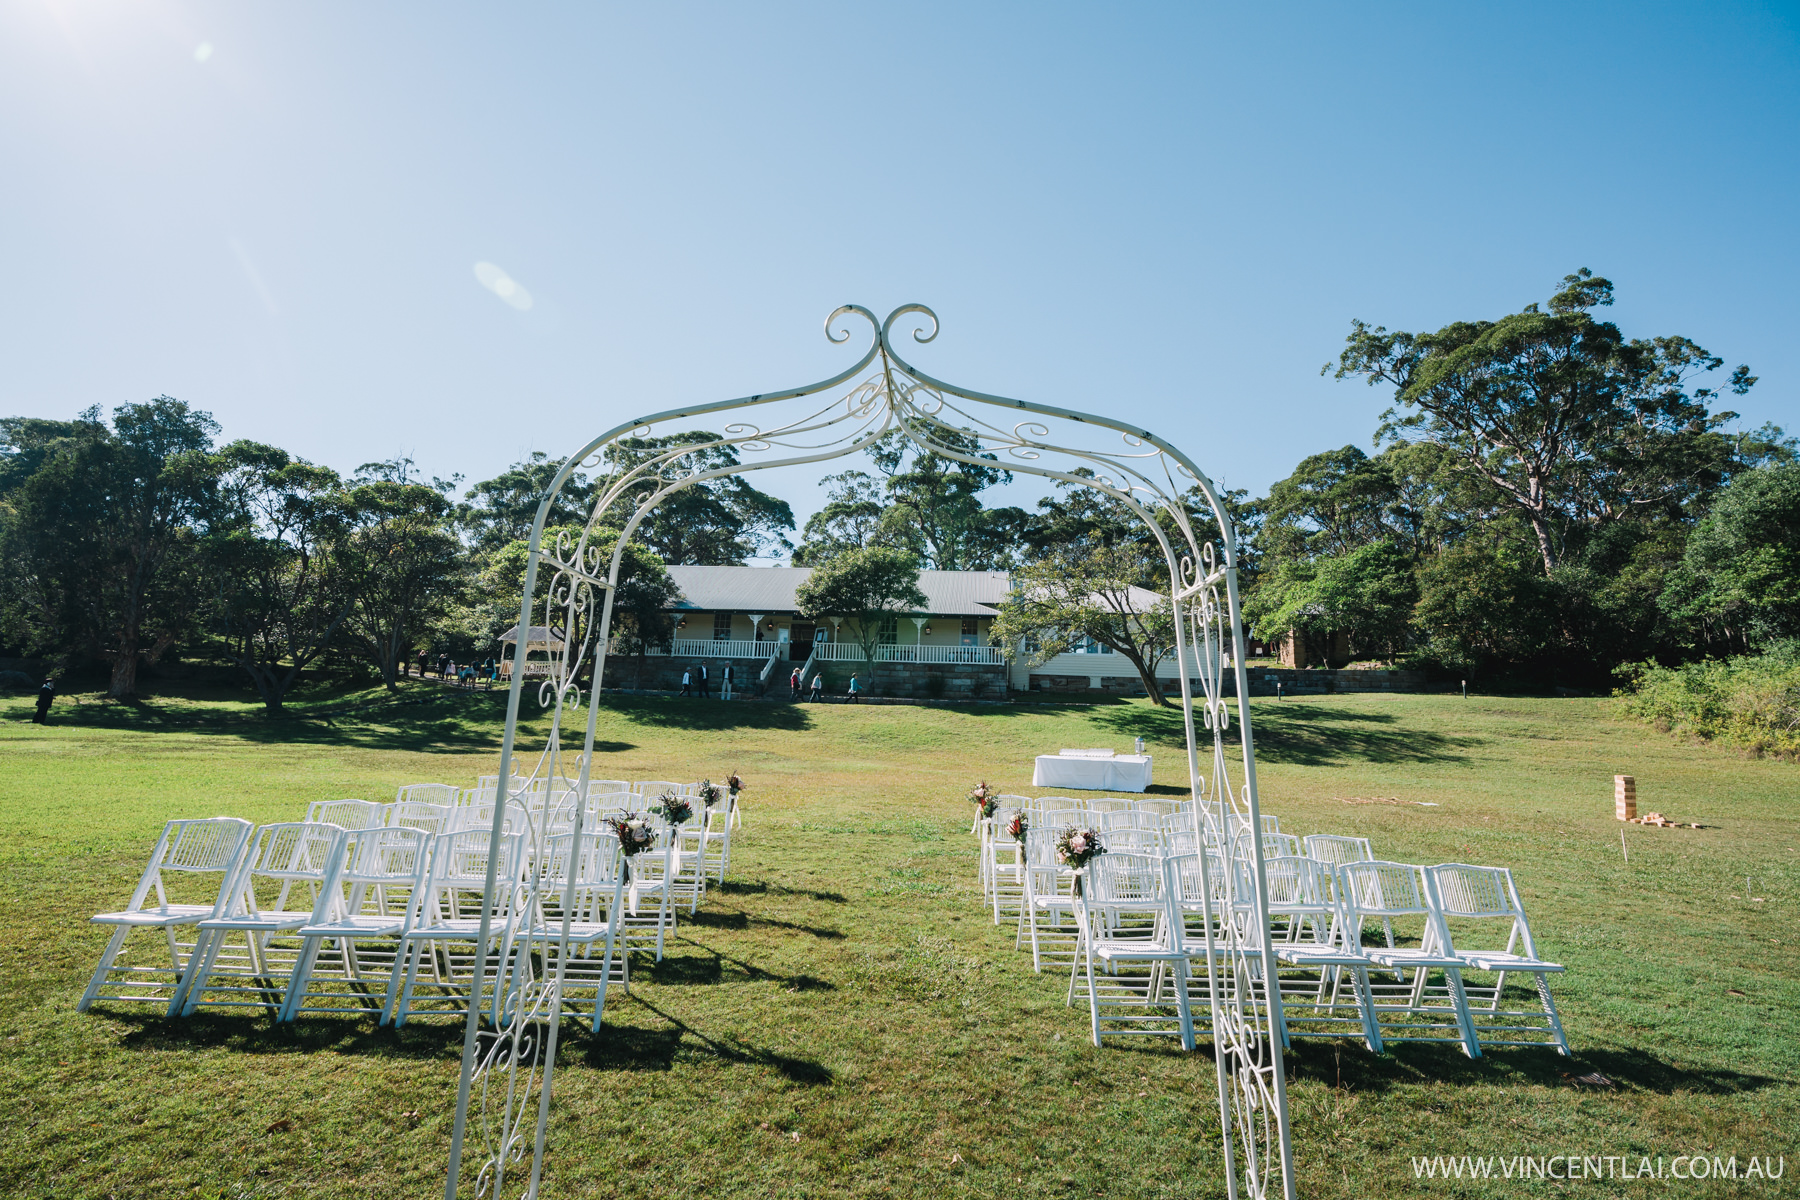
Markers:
274,211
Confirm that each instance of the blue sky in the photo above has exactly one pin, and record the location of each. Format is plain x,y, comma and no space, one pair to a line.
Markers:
273,212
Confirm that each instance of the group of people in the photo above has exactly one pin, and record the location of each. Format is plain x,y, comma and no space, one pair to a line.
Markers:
468,675
698,680
817,687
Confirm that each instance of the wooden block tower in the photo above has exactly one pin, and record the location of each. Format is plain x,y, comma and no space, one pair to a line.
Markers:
1625,797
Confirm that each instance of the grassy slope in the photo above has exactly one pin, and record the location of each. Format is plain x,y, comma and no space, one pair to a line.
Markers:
842,1020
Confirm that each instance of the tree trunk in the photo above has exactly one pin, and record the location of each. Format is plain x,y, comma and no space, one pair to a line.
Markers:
1541,527
124,673
1147,677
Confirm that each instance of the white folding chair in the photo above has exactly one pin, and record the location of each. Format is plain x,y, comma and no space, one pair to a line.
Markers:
580,900
348,814
1476,898
1047,918
431,818
444,933
1310,932
1131,952
652,788
286,865
1417,1010
353,955
428,793
1097,808
194,859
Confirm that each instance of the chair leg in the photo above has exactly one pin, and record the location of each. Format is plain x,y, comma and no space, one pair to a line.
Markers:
1460,999
303,969
1365,1000
113,945
1543,990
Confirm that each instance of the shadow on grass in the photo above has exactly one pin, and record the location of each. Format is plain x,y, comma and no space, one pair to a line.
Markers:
674,712
1350,1065
648,1048
435,1038
735,887
1312,734
708,967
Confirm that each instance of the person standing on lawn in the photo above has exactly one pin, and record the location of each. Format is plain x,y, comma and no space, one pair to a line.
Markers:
702,681
45,695
725,682
853,689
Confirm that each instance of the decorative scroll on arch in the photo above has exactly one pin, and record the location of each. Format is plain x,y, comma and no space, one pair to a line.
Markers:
509,1049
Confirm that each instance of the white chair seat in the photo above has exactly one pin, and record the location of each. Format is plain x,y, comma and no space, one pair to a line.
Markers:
1130,951
169,914
267,922
1303,954
1496,961
579,931
461,929
370,926
1409,959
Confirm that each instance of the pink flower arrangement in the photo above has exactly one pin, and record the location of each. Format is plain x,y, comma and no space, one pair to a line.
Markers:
984,798
1018,827
1076,847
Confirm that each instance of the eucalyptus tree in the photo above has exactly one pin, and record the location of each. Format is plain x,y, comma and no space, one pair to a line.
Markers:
279,576
102,534
1569,422
868,586
716,522
1740,576
404,565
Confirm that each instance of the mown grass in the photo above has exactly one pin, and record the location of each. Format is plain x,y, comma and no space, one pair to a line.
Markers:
842,1019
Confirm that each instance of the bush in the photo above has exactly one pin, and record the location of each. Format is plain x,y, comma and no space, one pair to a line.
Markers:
1752,701
17,681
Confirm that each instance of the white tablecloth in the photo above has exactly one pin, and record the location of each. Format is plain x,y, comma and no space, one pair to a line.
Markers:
1121,773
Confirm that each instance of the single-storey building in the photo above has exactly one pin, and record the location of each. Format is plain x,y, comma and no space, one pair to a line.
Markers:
750,618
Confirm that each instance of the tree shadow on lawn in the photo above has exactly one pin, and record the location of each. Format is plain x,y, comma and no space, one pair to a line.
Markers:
738,919
1311,734
708,967
434,1038
648,1048
762,887
671,712
1351,1065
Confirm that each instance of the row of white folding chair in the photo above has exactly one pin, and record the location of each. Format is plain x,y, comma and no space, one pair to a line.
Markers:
343,898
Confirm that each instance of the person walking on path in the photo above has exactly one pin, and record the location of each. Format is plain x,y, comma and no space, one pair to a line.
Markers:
46,694
687,683
794,685
704,695
818,687
853,689
443,665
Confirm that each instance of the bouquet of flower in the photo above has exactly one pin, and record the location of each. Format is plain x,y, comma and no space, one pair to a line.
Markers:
985,799
1076,847
635,834
672,808
710,793
1018,827
734,785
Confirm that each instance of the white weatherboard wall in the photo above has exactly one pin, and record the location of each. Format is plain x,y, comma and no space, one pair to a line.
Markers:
1095,666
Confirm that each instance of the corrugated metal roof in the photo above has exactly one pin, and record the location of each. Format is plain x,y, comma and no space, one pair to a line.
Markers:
771,590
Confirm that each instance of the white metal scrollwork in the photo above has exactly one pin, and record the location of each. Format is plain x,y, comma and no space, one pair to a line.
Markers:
509,1052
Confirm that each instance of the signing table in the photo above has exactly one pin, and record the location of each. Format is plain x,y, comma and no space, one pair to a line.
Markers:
1093,771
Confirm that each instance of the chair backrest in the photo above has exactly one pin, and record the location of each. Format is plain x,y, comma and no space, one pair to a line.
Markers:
1123,879
1336,848
1281,845
1108,806
1297,884
1468,893
1118,820
459,864
415,814
200,846
656,787
1186,880
1025,803
351,814
429,793
284,854
602,787
1056,804
393,855
1161,808
1133,840
593,872
1381,889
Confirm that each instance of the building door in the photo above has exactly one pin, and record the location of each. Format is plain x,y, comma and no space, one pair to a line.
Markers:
801,642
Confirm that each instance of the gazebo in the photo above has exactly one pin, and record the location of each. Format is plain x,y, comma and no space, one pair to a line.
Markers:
538,637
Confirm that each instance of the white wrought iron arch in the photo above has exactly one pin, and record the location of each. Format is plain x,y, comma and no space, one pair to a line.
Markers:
509,1065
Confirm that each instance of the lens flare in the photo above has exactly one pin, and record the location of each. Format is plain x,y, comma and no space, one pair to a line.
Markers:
202,52
503,285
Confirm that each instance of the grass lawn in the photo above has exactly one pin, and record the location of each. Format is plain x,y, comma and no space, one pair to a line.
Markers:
843,1019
